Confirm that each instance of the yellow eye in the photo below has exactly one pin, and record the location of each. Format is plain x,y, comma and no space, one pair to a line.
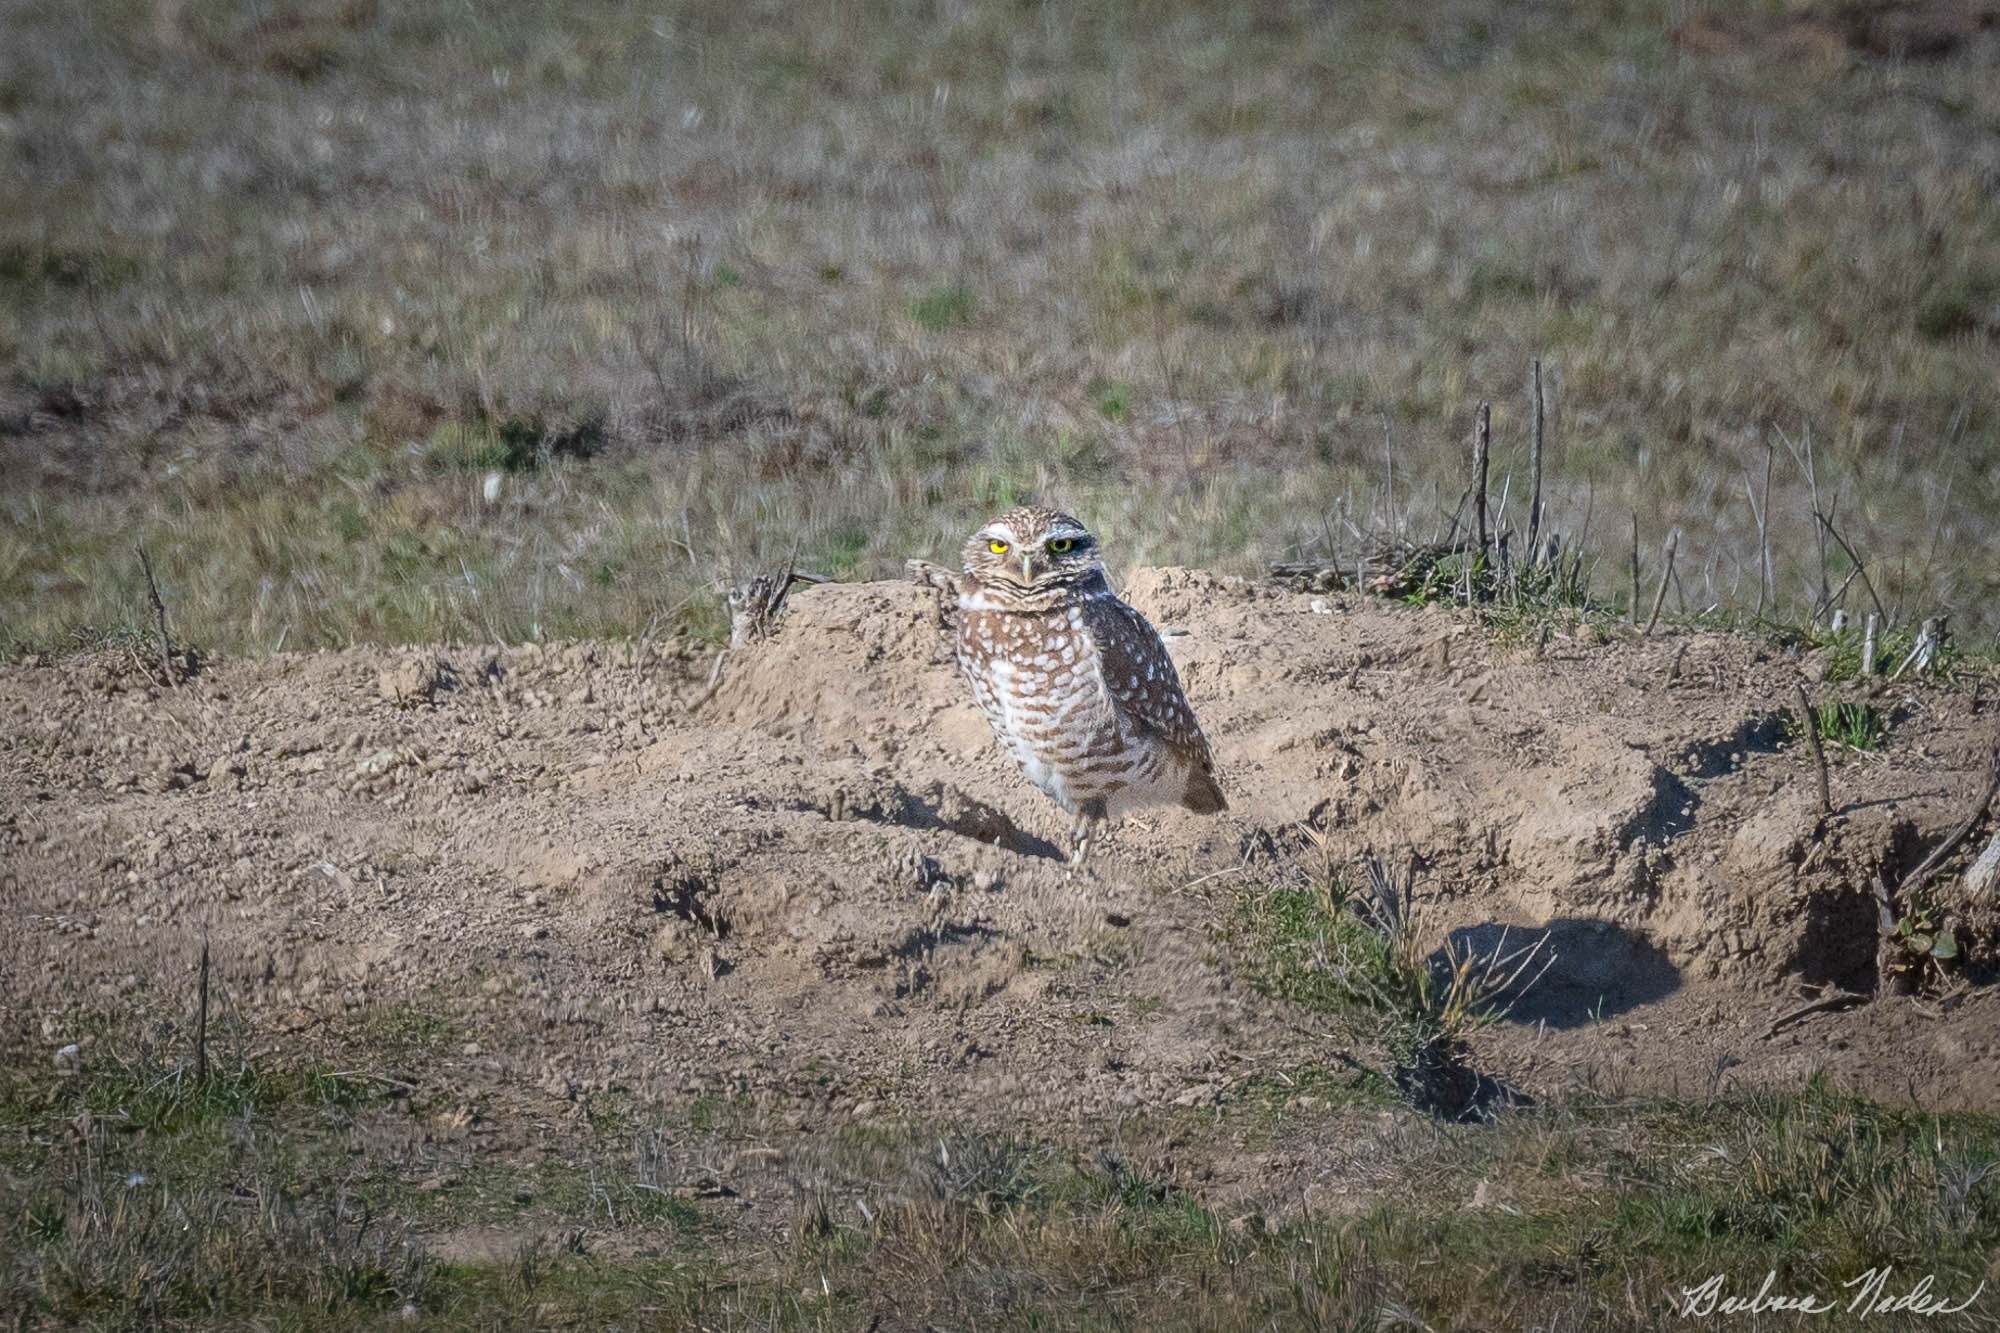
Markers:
1062,546
998,547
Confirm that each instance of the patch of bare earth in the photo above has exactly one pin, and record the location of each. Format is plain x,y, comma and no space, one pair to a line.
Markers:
825,894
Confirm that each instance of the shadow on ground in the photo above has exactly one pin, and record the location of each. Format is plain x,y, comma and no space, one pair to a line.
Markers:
1594,969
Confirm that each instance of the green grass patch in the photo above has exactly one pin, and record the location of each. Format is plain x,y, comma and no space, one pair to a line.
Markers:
283,1202
1858,726
512,443
1112,398
944,308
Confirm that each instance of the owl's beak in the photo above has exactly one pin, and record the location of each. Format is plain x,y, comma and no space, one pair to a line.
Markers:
1027,570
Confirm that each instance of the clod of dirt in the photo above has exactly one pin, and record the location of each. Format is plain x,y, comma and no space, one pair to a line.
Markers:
412,682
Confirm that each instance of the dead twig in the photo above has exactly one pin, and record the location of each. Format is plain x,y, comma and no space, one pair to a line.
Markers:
1660,596
201,1020
1930,865
1888,928
714,682
1632,607
945,579
1810,721
1888,915
1833,999
1766,584
1866,582
1482,444
755,603
1839,593
159,619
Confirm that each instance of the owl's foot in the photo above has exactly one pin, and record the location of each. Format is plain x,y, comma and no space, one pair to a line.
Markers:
1084,834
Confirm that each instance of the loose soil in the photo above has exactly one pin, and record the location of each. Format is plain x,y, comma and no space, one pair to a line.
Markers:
820,889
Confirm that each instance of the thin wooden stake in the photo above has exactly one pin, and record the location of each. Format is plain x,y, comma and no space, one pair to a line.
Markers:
1535,471
1868,645
1810,721
1660,596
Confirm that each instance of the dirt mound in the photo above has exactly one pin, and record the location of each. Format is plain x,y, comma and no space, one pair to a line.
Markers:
825,883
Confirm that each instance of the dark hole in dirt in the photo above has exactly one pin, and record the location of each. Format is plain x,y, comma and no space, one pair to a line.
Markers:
1837,947
1595,969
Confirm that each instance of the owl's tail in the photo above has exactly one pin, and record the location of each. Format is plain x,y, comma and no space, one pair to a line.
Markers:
1202,795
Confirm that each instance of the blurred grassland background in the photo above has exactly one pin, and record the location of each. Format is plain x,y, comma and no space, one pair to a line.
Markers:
416,321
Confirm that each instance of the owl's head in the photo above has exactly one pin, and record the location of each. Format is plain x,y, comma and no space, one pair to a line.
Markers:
1033,550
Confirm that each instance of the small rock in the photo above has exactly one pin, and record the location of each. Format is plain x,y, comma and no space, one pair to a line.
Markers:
534,931
69,1058
382,761
862,1110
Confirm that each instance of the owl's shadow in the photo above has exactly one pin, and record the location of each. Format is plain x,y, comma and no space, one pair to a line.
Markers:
947,809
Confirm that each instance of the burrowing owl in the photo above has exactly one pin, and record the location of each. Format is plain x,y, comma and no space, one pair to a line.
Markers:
1077,685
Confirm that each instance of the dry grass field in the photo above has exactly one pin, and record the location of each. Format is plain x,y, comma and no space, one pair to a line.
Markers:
449,360
287,285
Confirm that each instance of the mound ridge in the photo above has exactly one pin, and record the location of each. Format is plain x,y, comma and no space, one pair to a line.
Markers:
825,882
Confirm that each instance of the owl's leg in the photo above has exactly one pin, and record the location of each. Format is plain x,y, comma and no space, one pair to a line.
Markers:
1089,817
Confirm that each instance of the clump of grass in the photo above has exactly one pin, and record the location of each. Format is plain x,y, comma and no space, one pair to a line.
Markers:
1515,598
1112,398
1956,308
513,443
942,308
115,1249
165,1200
1858,726
1361,953
1844,650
